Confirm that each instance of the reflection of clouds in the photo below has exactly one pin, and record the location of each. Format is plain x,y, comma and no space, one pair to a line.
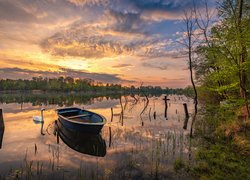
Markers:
21,134
103,104
23,107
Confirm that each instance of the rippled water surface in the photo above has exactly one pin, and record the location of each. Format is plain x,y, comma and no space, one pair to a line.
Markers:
132,144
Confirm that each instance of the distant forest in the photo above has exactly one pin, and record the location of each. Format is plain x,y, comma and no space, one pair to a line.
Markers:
66,84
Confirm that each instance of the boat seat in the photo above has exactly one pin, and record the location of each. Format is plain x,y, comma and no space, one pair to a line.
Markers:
78,116
82,120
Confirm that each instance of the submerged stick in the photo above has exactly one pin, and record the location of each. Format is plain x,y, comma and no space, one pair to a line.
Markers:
121,115
56,132
110,136
145,105
191,129
1,127
186,110
186,116
126,103
185,123
149,115
112,115
1,137
1,119
154,115
166,107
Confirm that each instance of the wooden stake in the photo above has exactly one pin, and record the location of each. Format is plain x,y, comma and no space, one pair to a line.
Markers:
1,127
166,107
1,119
112,114
110,137
186,110
186,116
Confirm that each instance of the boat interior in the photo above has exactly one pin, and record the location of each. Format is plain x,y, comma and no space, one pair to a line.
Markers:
79,115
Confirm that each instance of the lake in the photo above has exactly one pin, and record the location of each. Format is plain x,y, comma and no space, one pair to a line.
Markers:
137,142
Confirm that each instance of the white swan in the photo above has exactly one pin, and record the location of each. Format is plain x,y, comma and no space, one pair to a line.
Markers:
39,118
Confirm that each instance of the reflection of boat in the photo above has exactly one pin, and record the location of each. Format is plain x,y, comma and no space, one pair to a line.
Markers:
91,144
81,120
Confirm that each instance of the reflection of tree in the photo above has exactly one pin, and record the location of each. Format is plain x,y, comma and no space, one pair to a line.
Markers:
149,114
135,99
122,111
54,98
134,103
126,103
145,104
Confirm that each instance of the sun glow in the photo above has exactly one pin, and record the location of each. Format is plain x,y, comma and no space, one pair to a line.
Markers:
75,64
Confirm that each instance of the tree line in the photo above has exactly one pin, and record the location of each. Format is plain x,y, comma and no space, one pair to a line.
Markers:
66,84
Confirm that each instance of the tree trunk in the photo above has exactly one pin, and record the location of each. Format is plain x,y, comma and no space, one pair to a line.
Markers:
242,57
191,73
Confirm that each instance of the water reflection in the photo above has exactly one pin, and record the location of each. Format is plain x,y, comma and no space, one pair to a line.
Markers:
60,99
89,144
132,149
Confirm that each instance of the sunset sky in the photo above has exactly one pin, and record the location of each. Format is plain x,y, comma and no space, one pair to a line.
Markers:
114,41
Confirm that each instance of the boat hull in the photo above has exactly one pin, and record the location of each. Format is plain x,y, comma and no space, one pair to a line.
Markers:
81,120
87,128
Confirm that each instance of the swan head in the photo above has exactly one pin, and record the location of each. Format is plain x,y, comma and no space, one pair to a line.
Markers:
43,109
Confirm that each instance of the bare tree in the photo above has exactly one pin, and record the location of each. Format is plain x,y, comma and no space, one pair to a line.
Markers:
203,20
189,42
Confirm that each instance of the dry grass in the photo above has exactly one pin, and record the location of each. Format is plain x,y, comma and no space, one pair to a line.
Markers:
238,131
242,144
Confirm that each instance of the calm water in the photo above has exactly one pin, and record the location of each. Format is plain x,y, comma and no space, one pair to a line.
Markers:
134,145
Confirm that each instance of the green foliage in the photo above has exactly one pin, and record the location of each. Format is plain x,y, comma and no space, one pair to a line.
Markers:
223,145
220,161
179,164
219,67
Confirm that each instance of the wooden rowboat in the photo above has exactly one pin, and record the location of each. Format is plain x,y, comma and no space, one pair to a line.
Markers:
81,120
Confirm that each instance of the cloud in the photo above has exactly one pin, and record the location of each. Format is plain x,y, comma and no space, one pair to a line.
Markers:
120,36
122,65
126,22
16,73
89,2
52,31
11,12
88,41
171,61
158,15
126,27
160,66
